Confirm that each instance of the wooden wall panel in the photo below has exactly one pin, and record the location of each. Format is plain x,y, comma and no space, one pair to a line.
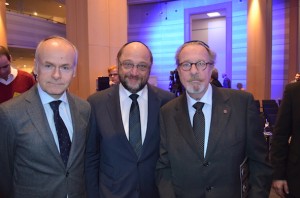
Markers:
25,31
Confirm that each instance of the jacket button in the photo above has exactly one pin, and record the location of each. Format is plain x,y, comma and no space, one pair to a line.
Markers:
209,188
206,164
67,174
244,188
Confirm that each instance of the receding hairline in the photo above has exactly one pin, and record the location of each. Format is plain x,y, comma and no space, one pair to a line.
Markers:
42,43
120,53
211,53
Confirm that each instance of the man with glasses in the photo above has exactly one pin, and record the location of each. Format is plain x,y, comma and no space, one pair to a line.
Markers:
43,131
123,142
113,75
13,82
212,144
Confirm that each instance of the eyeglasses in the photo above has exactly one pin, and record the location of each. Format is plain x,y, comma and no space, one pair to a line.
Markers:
112,75
187,66
130,65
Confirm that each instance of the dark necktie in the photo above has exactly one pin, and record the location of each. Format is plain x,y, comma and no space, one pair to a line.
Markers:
199,126
62,132
135,137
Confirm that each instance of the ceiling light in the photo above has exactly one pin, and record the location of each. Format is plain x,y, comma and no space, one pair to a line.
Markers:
35,13
7,4
60,6
213,14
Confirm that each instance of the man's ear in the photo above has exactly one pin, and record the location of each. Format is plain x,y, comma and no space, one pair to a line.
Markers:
75,71
35,67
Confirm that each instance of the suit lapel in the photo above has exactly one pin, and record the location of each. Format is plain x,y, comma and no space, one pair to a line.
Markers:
183,122
153,112
37,114
221,112
114,112
79,134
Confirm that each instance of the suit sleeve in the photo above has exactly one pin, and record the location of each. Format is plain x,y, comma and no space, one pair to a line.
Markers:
281,135
260,177
7,137
163,168
92,160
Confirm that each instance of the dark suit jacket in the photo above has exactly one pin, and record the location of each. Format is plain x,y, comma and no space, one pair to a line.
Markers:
286,157
30,163
216,82
234,135
112,166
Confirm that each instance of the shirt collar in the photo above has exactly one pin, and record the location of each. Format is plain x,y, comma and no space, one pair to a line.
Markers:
46,98
125,93
206,98
13,74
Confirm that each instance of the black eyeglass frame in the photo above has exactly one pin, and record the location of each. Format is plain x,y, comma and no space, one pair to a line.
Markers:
187,66
112,75
129,66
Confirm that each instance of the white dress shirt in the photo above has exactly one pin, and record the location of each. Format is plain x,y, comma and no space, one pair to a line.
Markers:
64,111
125,103
11,77
207,110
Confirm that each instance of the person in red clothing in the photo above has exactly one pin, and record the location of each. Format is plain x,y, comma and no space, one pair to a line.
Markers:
13,82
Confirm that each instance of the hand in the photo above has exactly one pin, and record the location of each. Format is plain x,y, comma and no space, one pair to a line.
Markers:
281,188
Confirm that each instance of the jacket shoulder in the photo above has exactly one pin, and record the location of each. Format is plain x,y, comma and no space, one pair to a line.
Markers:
174,103
162,93
101,95
231,93
80,103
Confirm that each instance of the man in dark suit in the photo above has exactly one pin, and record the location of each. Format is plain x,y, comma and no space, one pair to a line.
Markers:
115,165
37,157
214,80
219,151
285,149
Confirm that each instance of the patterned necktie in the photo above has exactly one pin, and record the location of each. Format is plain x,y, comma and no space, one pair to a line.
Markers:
135,138
199,126
62,132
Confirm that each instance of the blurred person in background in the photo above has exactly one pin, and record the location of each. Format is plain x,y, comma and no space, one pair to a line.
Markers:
297,78
13,82
215,78
285,149
239,86
226,81
113,75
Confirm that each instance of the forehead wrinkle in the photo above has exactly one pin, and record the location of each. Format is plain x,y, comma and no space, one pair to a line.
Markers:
193,52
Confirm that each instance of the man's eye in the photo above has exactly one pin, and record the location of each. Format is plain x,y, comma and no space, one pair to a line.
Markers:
128,64
185,64
201,64
48,66
65,68
142,66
